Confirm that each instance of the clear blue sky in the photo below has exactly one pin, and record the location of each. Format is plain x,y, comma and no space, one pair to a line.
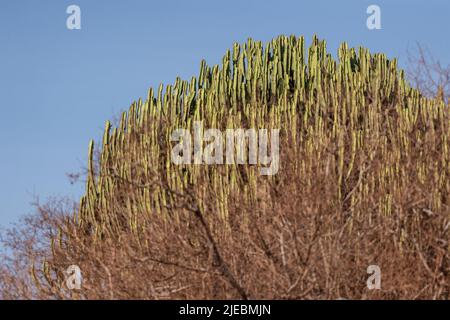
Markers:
57,87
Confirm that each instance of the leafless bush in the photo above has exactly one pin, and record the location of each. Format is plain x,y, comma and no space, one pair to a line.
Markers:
428,74
296,243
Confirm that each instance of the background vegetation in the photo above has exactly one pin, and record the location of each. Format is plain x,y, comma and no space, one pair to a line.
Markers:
363,179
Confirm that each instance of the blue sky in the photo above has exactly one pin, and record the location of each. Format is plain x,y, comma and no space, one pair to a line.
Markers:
58,86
